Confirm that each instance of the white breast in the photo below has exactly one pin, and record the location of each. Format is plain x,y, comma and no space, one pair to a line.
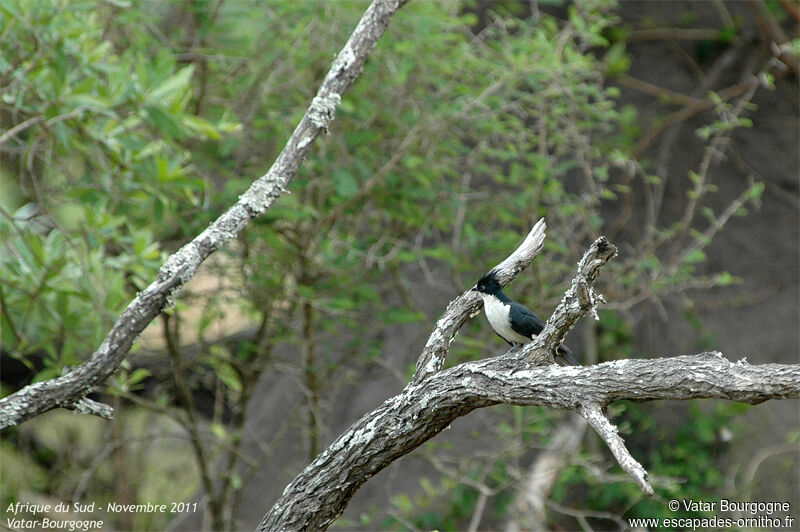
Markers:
497,314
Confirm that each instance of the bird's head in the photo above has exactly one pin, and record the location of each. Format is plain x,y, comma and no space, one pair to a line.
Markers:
488,284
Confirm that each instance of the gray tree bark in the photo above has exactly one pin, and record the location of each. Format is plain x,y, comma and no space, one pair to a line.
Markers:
316,497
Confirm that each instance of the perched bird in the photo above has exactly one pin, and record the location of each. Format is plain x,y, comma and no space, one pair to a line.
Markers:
514,323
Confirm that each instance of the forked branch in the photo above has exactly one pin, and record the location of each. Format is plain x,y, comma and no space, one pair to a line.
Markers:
579,299
469,303
436,397
319,494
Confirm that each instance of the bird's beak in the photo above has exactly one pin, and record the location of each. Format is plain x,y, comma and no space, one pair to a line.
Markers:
474,288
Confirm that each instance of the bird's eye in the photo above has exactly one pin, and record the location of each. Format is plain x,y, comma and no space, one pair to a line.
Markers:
481,287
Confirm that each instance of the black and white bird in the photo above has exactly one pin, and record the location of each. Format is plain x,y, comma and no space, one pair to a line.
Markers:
513,322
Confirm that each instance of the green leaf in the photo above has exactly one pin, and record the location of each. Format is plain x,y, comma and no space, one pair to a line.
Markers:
8,10
219,431
164,121
695,256
726,279
36,247
173,87
694,177
344,183
229,376
201,126
46,374
92,100
403,503
755,191
608,194
617,60
138,375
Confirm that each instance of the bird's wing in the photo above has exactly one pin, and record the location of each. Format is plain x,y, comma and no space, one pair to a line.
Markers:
524,321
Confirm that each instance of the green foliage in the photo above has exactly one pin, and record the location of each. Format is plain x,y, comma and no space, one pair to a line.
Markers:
96,184
388,177
614,337
428,511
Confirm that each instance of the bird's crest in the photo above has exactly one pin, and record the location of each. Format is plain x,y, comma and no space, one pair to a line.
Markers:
488,284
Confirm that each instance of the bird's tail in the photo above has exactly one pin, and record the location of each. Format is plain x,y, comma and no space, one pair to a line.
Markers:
566,353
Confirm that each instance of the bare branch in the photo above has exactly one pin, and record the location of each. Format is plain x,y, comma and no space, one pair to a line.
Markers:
20,127
705,376
654,90
688,112
677,34
507,270
181,266
318,495
469,303
579,299
91,407
36,119
606,430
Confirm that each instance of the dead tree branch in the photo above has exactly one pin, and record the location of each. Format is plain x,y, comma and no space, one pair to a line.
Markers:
579,299
435,397
316,497
70,390
593,413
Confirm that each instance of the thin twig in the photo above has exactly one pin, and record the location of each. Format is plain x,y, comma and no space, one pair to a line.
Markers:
673,34
20,127
609,433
